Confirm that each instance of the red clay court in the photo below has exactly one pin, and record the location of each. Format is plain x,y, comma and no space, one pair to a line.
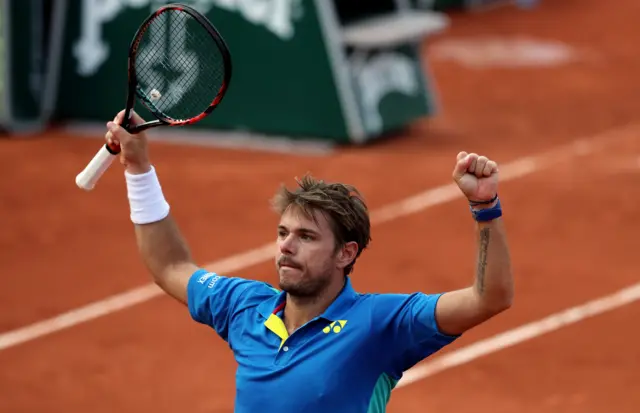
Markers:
567,138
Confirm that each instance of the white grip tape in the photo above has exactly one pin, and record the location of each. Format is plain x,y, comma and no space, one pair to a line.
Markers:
95,168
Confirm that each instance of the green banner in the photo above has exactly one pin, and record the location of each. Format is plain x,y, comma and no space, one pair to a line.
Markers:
282,79
295,74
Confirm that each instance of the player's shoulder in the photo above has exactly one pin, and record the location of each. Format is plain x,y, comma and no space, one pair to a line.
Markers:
260,290
374,300
395,300
377,297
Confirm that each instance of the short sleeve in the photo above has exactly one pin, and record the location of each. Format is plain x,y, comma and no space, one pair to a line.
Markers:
409,329
213,299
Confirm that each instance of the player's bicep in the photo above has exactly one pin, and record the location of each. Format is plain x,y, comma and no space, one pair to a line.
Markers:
460,310
176,280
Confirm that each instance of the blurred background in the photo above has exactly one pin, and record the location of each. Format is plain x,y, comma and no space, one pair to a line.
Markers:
381,94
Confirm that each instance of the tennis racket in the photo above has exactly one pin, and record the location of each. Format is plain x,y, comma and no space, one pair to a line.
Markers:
179,68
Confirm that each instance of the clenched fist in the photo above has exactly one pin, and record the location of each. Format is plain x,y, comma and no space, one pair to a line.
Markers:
477,176
134,154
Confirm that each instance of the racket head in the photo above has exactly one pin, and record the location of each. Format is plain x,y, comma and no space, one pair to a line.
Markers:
177,39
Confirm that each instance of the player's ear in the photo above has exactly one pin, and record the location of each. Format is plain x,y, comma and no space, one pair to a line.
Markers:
347,254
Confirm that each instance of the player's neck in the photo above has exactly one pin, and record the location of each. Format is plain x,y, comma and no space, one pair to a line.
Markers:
300,310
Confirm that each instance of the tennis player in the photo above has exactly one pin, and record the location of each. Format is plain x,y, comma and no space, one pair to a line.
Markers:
315,345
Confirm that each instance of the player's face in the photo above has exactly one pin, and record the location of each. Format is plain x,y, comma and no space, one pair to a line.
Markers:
306,258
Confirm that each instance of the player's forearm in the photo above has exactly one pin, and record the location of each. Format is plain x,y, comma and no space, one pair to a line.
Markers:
163,250
494,278
162,247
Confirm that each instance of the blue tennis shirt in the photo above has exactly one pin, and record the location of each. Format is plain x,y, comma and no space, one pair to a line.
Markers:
345,360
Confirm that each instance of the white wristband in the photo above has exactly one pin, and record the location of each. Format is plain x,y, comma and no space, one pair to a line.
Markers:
146,200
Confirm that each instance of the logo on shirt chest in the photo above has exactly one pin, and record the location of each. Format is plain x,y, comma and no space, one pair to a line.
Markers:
335,327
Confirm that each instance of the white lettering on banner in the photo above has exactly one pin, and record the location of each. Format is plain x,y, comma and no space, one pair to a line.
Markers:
276,15
378,77
92,49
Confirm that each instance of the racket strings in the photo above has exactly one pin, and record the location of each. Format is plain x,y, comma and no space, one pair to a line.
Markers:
179,67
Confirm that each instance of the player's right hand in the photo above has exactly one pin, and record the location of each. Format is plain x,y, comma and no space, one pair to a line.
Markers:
134,154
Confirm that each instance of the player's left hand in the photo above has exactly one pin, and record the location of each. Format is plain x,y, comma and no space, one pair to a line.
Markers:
476,176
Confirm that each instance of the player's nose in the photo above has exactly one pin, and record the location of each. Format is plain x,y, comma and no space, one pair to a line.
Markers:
287,245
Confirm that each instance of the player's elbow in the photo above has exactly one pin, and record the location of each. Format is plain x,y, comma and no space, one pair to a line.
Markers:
504,304
161,279
496,300
174,280
166,273
501,301
508,295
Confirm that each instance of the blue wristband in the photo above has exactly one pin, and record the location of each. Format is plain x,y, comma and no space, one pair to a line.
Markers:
487,214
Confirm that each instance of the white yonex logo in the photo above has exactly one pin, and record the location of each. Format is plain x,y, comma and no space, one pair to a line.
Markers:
214,279
205,277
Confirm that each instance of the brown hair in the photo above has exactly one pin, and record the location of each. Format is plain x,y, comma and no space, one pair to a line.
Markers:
342,204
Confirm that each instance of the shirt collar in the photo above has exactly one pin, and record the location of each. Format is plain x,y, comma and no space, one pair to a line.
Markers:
335,311
342,303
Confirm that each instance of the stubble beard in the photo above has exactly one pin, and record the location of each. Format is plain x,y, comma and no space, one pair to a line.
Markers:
306,286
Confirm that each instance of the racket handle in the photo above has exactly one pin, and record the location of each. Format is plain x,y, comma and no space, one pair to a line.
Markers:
95,168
